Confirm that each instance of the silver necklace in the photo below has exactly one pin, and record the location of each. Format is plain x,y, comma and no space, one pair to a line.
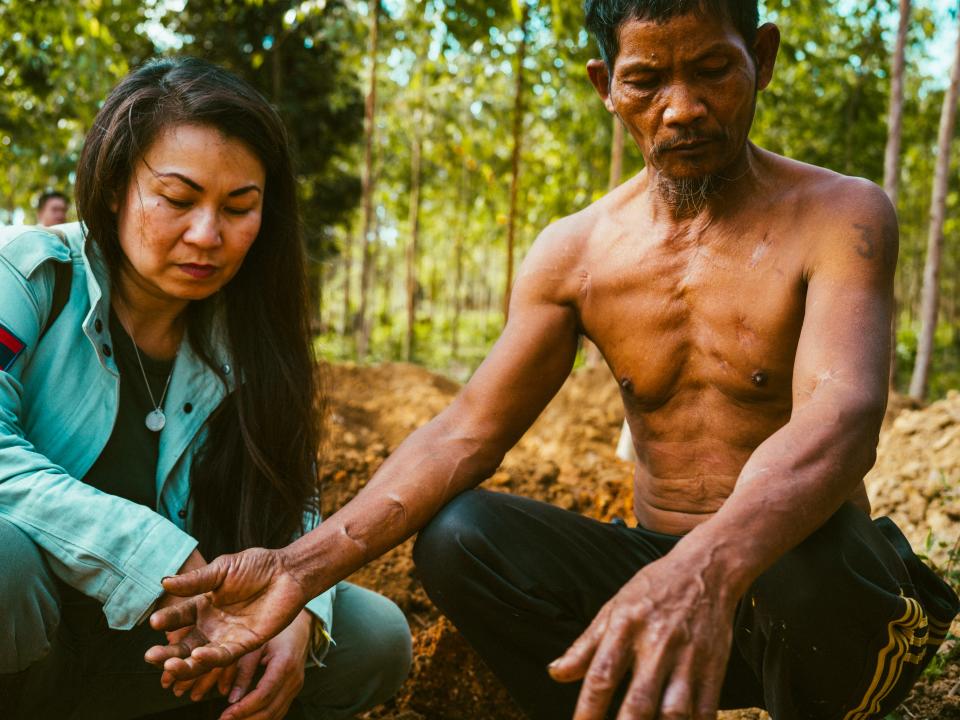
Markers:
155,419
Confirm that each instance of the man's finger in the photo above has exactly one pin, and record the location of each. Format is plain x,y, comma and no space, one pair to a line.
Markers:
607,668
246,669
159,654
196,582
263,694
574,663
174,617
677,700
708,688
644,692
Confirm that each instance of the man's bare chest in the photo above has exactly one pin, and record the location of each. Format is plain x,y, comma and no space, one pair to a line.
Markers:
673,321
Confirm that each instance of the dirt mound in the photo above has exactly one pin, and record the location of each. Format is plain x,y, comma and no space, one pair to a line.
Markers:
568,458
916,480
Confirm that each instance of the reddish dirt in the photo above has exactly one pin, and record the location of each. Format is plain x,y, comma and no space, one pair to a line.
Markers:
568,459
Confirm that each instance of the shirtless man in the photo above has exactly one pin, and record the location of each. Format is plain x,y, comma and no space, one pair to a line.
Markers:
743,301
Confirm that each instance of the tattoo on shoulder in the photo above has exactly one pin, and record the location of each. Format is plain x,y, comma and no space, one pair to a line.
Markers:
874,242
867,247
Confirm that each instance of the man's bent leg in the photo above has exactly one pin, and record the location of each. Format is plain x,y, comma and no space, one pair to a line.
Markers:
838,627
521,580
368,663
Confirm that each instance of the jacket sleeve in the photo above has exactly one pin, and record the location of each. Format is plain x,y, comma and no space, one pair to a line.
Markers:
111,549
322,605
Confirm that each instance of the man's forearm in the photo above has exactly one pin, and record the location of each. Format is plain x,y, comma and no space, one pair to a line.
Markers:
788,488
429,469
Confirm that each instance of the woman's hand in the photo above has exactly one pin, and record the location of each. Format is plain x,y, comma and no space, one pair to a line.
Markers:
283,659
242,601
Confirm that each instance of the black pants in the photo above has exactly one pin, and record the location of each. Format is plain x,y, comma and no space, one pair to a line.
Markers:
838,629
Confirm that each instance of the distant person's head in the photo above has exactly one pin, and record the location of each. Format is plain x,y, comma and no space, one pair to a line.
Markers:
683,76
186,186
52,208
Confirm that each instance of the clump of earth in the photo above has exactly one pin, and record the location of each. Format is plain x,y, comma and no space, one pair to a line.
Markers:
568,459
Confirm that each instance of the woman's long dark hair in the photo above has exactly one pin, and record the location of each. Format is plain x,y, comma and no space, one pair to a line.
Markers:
255,475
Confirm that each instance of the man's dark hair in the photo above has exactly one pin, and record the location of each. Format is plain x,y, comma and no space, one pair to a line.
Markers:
50,195
604,18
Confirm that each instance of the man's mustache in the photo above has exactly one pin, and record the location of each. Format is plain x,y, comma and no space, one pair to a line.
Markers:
685,138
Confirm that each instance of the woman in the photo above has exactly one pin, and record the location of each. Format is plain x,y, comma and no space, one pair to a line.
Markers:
157,406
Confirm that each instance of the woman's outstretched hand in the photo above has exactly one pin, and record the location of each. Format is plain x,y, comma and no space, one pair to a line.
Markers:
237,603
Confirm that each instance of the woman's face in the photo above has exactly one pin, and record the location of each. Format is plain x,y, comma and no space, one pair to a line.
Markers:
192,210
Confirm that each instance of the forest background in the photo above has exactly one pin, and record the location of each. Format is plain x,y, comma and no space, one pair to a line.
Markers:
436,138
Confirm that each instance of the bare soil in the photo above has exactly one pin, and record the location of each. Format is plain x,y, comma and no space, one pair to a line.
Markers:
568,459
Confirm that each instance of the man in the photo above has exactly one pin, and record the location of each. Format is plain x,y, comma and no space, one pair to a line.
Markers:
52,208
743,301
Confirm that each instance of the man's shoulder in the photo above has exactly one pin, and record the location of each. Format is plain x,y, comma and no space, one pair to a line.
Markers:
823,193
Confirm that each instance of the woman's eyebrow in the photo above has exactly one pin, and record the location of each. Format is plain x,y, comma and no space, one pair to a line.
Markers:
244,190
199,188
182,178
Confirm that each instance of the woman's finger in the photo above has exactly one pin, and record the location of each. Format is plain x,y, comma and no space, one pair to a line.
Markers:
181,686
202,686
246,669
270,685
225,682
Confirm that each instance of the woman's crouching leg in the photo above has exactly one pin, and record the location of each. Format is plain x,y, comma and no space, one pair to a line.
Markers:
368,663
29,601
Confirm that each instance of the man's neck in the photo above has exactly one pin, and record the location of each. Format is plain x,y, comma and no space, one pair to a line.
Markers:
681,200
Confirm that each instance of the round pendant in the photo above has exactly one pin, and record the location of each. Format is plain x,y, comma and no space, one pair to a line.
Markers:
156,420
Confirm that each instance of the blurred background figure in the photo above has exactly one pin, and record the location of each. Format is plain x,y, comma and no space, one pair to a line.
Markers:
52,208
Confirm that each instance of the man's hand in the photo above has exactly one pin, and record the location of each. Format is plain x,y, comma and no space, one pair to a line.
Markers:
283,658
673,629
242,601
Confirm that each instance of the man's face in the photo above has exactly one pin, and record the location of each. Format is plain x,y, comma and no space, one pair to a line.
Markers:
686,91
53,212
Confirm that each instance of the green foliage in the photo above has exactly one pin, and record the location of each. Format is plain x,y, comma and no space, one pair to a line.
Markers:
446,84
945,371
58,59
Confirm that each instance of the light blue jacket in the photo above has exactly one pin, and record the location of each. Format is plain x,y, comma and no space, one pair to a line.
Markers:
58,405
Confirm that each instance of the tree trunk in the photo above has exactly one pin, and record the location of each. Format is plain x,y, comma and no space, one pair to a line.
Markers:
369,184
938,208
891,161
416,167
517,149
464,212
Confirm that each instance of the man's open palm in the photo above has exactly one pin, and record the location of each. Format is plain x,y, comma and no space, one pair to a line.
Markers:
242,601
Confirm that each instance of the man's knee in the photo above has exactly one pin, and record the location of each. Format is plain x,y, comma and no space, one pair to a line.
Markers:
28,601
446,545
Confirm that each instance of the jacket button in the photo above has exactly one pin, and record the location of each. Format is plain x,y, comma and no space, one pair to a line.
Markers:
107,351
98,325
181,513
188,407
226,369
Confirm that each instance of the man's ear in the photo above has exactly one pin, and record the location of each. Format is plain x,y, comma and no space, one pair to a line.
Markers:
765,49
600,77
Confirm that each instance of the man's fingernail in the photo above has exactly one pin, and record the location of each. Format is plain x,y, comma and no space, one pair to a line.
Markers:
235,695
